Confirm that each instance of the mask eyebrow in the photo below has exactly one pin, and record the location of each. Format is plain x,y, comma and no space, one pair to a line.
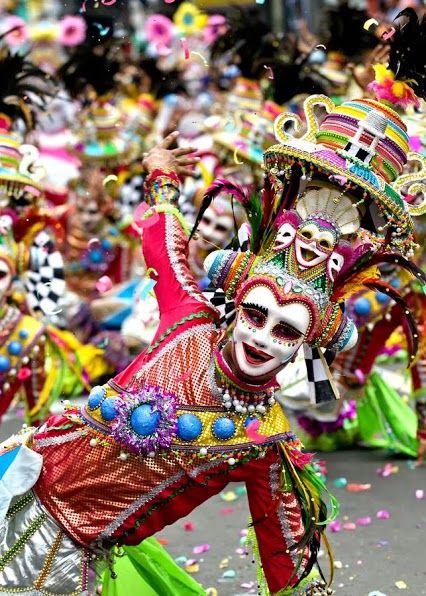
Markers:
258,307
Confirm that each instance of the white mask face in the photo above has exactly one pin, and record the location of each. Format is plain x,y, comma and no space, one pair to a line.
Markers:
90,214
313,245
5,279
285,237
267,334
215,228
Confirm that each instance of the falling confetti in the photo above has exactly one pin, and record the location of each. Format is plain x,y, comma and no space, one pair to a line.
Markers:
370,23
201,548
110,178
401,585
349,526
236,156
383,514
270,73
389,34
185,47
420,494
363,521
188,526
357,488
104,284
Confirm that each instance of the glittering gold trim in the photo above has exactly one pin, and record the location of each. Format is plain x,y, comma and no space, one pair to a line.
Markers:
288,152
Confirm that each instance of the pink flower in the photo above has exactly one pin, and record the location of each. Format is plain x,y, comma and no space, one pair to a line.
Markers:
18,31
72,30
159,29
216,25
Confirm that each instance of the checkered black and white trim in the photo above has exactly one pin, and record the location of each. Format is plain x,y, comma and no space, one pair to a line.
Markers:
44,281
131,194
322,387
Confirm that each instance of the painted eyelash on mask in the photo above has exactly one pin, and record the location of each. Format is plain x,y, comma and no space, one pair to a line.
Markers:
258,307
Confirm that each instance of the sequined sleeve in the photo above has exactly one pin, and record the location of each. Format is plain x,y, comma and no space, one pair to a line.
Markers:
161,188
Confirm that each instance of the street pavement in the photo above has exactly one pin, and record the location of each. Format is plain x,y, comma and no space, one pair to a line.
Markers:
384,557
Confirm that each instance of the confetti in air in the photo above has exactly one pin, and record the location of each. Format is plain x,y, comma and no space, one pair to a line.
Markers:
370,24
110,178
185,47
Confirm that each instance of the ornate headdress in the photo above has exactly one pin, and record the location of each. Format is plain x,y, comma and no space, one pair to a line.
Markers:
330,212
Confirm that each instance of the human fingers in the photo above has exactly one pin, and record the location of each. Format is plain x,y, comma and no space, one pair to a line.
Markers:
183,151
192,161
167,141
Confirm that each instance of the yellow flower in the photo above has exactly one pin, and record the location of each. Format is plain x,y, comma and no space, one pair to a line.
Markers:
189,19
398,89
382,73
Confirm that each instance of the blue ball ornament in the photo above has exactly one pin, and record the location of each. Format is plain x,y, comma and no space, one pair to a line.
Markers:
382,298
395,283
96,397
108,409
362,306
106,244
223,428
189,427
23,334
144,421
14,348
4,364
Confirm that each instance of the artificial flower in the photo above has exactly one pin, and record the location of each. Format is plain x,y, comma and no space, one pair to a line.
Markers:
159,30
72,30
18,31
216,25
386,88
189,19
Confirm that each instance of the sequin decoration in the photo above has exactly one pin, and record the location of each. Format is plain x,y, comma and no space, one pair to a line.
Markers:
145,422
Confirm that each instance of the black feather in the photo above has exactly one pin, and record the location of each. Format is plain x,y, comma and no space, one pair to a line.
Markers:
408,50
23,81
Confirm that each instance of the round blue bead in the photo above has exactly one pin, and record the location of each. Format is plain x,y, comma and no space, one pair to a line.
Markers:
96,256
106,244
14,348
4,364
362,306
23,334
189,427
395,283
96,397
144,421
223,428
108,410
382,298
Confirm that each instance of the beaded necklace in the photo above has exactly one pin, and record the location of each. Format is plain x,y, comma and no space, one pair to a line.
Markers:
239,396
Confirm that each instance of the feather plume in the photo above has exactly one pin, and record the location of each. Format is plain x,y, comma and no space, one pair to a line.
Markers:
410,328
408,51
211,193
24,88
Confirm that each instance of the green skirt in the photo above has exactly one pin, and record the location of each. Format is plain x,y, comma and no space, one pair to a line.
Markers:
148,569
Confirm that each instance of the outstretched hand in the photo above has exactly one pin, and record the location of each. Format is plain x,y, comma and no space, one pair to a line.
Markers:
175,160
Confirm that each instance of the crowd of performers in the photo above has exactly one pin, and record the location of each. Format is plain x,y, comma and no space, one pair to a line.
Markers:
276,186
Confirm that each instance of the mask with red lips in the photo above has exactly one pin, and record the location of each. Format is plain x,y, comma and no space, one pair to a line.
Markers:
268,332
